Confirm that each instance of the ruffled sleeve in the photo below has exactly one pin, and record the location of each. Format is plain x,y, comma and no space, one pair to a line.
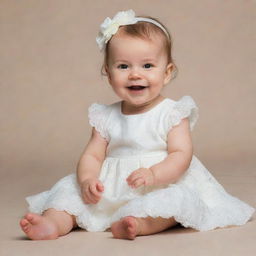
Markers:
184,107
97,114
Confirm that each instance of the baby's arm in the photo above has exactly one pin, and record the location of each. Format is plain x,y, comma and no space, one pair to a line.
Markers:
89,166
169,170
180,150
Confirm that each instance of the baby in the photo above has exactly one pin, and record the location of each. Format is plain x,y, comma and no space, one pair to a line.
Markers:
137,175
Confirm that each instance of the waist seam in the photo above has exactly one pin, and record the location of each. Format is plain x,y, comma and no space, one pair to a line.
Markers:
137,156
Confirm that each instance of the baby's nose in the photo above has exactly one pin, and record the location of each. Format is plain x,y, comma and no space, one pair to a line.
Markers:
135,74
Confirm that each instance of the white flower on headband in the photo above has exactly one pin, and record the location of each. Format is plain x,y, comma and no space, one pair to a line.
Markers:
109,27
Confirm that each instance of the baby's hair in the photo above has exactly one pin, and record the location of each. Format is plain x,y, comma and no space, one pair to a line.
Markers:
144,30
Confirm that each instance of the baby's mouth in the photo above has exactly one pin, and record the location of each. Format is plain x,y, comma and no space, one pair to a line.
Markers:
137,87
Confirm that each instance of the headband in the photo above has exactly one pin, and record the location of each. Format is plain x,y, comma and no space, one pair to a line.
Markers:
109,27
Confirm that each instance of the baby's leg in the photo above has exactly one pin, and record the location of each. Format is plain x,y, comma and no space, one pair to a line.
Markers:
129,227
50,225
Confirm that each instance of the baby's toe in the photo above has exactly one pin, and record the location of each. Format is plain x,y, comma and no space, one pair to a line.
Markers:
32,218
24,223
131,227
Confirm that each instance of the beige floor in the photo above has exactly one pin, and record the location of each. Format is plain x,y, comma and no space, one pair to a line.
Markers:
238,178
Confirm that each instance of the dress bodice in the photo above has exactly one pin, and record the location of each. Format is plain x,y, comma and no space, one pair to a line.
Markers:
140,134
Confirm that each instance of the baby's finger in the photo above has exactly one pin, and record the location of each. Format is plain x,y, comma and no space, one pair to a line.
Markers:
90,199
94,191
84,192
133,176
137,183
100,187
86,199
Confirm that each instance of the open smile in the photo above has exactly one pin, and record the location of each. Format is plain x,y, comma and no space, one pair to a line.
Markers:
137,87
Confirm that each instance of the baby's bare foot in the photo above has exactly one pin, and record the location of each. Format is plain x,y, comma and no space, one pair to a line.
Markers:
127,228
38,227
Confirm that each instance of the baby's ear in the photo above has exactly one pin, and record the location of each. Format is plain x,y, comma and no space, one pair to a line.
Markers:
106,69
107,73
168,73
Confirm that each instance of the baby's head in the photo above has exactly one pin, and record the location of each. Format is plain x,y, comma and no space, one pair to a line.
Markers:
125,24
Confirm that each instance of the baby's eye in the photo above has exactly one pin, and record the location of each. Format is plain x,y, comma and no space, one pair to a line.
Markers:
148,65
122,66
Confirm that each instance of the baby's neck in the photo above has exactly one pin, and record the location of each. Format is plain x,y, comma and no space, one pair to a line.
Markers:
129,109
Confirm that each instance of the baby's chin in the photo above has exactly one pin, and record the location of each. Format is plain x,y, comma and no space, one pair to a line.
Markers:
139,105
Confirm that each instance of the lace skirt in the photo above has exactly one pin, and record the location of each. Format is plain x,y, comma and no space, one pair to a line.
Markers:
197,200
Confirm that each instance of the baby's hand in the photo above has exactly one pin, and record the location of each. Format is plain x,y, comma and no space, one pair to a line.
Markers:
141,176
91,190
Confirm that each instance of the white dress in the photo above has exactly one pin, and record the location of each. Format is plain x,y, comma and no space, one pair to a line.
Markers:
197,200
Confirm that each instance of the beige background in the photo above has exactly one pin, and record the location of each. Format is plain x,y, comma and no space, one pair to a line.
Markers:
50,74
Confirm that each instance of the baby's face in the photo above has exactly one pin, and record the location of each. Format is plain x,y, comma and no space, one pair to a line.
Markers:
137,68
